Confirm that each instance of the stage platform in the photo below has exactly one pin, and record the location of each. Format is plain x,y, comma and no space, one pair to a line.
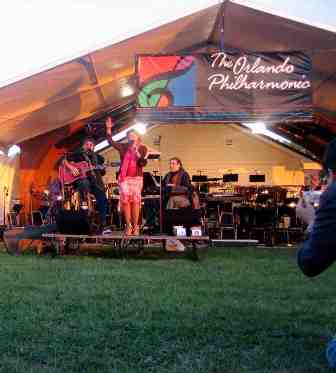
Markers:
234,243
42,240
195,247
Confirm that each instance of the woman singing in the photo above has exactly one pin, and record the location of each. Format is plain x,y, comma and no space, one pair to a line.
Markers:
133,155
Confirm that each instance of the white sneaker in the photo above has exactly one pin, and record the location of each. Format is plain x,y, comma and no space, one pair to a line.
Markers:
84,206
107,231
173,244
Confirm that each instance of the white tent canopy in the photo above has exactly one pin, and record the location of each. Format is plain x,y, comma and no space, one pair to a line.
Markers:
76,90
43,34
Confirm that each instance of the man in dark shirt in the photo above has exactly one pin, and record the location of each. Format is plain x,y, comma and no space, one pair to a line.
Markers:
318,251
94,182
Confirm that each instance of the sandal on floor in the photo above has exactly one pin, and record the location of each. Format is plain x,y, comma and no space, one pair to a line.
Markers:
128,230
136,230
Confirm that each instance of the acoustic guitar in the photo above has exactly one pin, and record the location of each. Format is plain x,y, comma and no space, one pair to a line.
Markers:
83,167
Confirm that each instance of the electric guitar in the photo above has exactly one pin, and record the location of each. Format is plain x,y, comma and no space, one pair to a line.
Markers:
83,167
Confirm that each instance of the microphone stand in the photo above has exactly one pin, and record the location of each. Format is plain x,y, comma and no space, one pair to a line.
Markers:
161,214
5,194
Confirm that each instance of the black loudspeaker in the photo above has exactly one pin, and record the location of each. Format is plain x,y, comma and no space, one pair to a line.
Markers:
73,222
230,178
257,178
187,217
199,178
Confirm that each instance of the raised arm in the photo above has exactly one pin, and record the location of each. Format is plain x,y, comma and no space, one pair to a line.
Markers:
109,126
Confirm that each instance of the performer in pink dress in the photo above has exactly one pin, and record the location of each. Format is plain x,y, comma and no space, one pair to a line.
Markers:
133,155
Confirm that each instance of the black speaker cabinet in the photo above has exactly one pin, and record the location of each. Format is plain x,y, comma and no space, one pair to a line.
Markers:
199,178
73,222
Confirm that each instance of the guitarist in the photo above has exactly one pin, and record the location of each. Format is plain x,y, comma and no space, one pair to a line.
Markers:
93,183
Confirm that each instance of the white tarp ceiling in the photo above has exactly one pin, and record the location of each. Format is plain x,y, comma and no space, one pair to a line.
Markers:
85,88
42,34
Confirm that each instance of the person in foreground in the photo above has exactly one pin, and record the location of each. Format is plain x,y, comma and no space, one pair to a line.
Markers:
318,251
133,156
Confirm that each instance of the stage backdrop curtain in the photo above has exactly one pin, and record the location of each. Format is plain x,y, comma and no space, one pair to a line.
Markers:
9,168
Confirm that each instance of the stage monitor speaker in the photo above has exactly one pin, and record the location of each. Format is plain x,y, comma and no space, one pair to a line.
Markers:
73,222
199,178
230,178
257,178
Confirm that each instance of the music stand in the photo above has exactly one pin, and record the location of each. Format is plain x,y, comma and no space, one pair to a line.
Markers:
5,195
17,208
157,156
199,178
154,156
230,178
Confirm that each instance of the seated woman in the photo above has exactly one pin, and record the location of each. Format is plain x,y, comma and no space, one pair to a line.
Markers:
177,188
179,199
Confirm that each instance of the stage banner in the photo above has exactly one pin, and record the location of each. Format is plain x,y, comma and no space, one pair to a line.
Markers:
224,86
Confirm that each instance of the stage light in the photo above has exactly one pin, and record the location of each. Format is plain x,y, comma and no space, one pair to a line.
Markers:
59,198
258,127
13,151
101,145
127,91
292,205
140,127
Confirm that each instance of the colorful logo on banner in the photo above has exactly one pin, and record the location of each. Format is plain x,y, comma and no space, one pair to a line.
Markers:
227,86
166,81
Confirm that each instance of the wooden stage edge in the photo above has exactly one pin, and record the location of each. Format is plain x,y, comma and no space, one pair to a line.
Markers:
193,247
117,243
125,237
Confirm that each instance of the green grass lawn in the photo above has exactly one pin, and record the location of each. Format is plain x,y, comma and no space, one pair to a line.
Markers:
239,310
